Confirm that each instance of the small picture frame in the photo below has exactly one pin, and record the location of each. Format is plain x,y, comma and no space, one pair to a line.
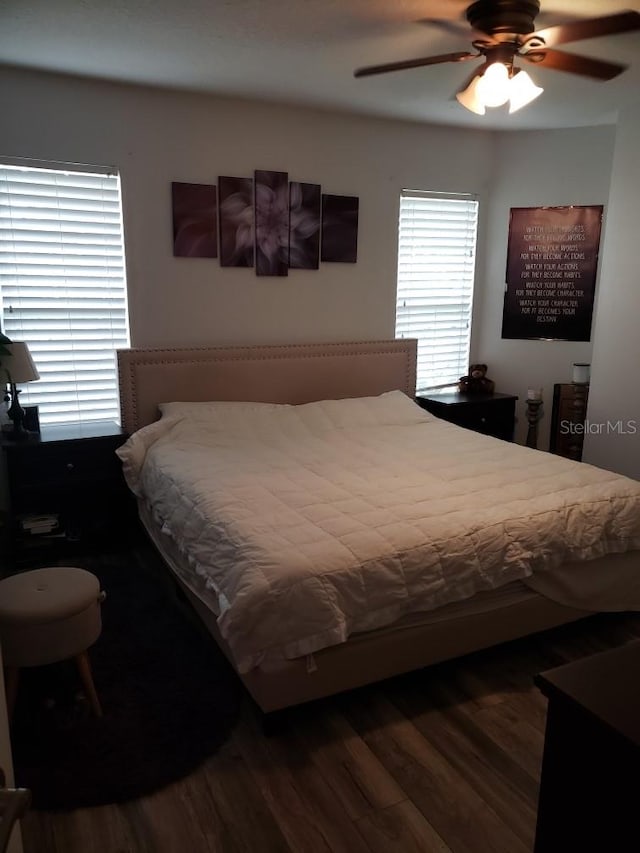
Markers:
31,419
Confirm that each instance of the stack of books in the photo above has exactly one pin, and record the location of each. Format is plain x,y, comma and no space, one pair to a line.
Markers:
37,525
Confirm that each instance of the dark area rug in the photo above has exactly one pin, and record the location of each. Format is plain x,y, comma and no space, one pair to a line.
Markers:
168,695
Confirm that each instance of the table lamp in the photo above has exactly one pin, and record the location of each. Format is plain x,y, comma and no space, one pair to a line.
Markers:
18,367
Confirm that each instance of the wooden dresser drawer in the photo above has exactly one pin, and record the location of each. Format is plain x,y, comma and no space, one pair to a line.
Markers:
65,463
490,419
568,419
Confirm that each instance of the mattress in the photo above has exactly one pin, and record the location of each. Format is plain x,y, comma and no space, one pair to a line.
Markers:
308,524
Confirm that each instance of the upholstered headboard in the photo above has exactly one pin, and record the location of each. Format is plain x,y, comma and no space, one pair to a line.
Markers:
296,373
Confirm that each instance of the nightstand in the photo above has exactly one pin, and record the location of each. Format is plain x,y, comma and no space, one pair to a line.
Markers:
71,472
491,414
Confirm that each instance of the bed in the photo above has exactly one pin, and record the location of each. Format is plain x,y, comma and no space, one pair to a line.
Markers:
331,533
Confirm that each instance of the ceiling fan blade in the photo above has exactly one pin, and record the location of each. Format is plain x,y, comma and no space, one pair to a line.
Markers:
575,64
608,25
455,28
414,63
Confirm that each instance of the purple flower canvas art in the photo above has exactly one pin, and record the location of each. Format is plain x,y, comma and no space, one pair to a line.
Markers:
195,225
304,226
236,222
272,222
340,228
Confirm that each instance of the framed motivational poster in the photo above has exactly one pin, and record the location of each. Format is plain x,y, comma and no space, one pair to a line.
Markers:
552,261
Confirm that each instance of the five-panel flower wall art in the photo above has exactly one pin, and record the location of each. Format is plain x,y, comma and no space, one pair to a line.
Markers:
266,222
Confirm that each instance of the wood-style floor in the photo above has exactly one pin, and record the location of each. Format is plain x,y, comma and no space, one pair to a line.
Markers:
445,760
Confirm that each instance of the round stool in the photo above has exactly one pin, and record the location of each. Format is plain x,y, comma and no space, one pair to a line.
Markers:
48,615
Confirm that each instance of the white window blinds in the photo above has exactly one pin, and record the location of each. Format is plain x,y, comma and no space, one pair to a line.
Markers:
62,287
436,262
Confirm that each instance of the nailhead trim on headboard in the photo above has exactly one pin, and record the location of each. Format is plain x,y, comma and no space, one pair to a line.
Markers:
131,364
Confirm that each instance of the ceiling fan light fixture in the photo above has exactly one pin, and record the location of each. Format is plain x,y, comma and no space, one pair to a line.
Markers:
494,85
522,91
469,97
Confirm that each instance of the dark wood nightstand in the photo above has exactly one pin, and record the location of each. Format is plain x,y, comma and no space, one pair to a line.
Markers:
590,783
71,472
491,414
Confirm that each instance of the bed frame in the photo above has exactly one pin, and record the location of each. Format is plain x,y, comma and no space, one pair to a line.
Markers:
302,373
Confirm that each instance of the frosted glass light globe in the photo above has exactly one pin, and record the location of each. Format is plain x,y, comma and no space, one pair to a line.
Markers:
493,87
522,91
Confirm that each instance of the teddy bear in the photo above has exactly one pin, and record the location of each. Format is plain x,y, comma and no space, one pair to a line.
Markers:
476,382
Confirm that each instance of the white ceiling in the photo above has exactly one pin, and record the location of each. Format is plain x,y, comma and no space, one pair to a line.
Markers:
305,52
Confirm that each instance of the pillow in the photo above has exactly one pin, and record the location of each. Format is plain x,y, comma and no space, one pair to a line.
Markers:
393,408
389,408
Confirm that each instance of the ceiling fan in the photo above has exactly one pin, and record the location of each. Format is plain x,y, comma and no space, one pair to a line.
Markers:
503,30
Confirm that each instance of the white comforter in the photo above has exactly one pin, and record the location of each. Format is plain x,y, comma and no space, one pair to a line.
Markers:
313,522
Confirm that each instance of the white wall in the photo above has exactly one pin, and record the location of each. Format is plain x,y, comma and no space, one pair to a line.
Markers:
157,136
614,395
532,169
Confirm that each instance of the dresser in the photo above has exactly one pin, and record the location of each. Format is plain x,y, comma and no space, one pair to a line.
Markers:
590,782
568,418
490,414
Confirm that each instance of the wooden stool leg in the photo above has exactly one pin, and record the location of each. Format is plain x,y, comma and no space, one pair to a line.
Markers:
84,668
11,677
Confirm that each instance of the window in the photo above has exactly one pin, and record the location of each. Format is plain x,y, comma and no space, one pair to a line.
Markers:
436,261
62,286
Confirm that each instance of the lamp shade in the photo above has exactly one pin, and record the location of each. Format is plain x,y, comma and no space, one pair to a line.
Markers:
494,85
18,365
470,99
522,91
